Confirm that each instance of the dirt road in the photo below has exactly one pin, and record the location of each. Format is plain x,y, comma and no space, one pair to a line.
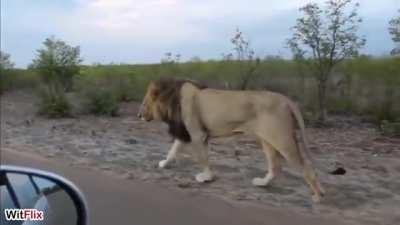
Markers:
113,200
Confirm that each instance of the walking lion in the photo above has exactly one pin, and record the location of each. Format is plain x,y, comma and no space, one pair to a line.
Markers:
195,114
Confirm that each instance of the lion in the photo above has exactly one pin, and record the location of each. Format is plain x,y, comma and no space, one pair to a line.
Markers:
195,113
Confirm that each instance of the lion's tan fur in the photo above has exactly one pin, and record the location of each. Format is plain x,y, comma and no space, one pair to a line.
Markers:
208,113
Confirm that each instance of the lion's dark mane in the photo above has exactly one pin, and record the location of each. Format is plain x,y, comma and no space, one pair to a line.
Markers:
169,94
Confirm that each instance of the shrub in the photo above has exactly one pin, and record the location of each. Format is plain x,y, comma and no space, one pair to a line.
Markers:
123,87
5,66
14,79
53,103
57,62
4,80
100,102
340,105
365,86
120,79
390,128
5,62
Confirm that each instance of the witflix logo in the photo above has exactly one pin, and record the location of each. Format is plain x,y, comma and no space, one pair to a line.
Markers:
23,214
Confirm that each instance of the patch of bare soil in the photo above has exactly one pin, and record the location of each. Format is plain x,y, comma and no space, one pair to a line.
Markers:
369,192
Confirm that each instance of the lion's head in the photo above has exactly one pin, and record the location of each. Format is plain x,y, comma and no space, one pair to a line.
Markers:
162,101
148,106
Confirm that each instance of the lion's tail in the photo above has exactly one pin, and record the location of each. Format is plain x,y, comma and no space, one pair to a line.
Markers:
300,121
304,152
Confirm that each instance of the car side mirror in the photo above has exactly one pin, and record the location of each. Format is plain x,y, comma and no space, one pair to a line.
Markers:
30,196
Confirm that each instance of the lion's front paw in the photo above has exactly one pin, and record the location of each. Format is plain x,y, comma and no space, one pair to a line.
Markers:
204,177
316,198
260,182
162,163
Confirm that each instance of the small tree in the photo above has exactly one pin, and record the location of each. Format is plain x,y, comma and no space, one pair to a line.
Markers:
170,64
325,37
57,63
5,62
170,58
5,66
245,56
394,30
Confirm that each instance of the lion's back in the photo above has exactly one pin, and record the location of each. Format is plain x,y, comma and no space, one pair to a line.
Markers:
223,110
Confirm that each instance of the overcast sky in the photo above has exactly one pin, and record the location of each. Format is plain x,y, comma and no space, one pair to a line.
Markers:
141,31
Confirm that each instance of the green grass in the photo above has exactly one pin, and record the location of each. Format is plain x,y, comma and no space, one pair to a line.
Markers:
365,86
17,79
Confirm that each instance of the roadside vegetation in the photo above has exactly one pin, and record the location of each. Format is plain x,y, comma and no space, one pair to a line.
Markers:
55,64
327,74
322,39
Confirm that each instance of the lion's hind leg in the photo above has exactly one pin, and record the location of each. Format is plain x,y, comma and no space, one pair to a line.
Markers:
274,165
289,149
311,179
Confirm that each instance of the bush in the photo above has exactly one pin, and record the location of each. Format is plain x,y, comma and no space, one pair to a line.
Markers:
53,103
120,79
123,87
340,105
368,87
100,102
57,62
4,80
6,67
14,79
390,128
